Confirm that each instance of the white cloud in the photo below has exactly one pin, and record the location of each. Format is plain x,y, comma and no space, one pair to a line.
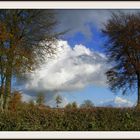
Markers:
117,102
71,69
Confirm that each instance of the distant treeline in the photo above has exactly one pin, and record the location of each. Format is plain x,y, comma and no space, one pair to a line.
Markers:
16,100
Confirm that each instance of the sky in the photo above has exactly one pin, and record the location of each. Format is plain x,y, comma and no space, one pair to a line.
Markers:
77,72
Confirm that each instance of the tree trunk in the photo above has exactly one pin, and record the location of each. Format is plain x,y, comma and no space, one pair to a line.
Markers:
138,101
7,90
8,79
1,96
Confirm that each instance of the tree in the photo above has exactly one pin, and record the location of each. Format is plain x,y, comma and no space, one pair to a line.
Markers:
123,50
58,100
68,106
23,35
15,100
31,103
3,38
72,105
87,104
40,99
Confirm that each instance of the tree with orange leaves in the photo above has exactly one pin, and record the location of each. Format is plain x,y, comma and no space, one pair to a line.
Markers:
15,100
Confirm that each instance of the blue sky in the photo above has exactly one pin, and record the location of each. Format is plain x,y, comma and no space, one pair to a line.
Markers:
96,41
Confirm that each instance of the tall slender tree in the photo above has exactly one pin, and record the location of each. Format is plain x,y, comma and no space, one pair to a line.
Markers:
58,100
123,50
40,99
4,36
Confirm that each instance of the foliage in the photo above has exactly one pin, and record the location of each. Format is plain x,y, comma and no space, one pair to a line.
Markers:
15,100
71,105
31,118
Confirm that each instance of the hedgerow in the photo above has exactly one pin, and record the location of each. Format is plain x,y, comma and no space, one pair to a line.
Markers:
32,118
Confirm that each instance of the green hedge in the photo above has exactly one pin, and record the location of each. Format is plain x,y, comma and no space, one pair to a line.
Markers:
31,118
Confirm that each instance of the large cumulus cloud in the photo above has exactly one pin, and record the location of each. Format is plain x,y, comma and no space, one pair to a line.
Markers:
71,69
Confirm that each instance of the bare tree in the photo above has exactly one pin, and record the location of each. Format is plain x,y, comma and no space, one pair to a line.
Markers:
58,100
123,50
